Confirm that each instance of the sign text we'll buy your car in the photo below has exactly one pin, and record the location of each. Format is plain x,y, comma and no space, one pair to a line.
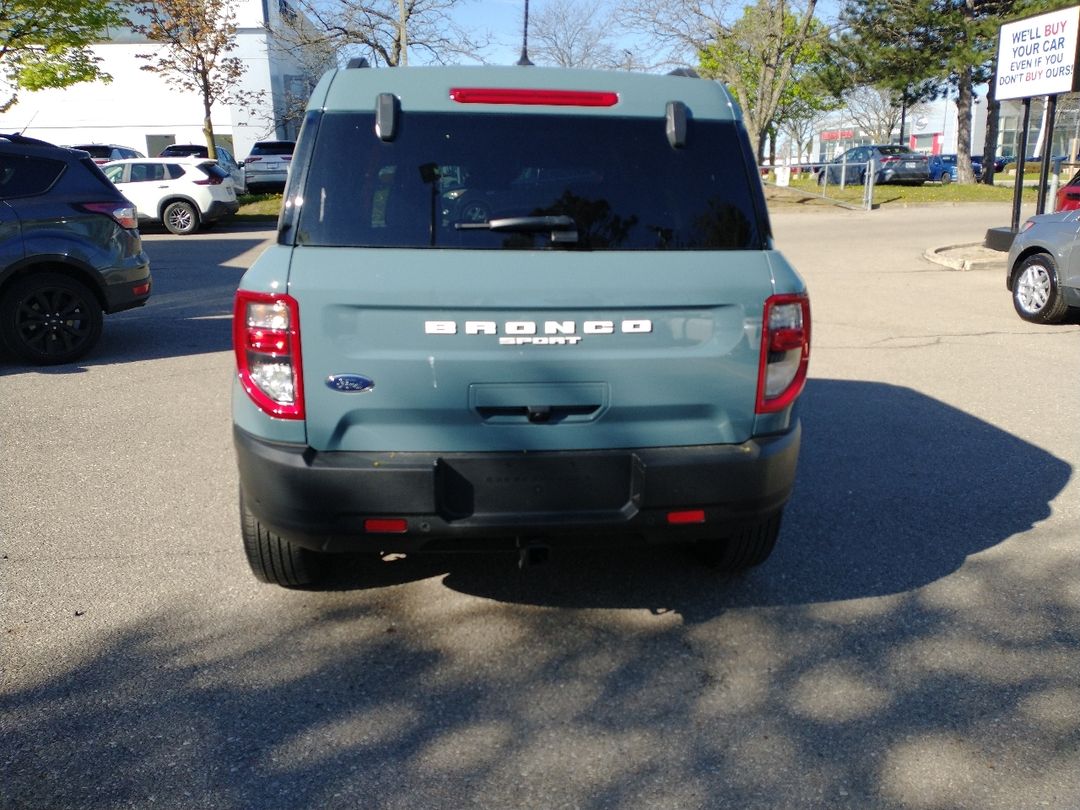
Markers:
1037,55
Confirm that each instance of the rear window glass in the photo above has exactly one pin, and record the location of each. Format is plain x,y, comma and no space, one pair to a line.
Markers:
484,181
275,148
214,170
96,150
184,150
27,176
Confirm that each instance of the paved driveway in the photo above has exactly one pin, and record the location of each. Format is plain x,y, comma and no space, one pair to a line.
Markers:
914,641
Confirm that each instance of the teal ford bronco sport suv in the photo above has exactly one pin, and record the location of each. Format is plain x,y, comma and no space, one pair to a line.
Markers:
513,308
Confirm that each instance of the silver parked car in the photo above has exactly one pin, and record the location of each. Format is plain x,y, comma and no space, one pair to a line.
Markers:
890,162
267,167
1043,272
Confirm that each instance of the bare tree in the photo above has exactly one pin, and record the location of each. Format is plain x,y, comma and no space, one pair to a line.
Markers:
292,36
199,37
754,55
799,125
384,31
573,34
678,30
875,110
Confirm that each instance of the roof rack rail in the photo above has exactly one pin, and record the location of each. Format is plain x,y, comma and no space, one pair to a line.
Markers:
358,62
690,73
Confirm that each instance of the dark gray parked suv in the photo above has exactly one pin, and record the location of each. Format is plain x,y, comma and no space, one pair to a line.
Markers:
70,251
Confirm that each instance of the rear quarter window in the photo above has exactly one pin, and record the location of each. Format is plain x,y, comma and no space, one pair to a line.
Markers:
446,174
27,176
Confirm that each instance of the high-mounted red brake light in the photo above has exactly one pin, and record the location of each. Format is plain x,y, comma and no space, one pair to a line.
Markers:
548,98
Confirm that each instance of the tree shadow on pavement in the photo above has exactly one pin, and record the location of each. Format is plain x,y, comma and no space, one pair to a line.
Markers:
894,491
852,670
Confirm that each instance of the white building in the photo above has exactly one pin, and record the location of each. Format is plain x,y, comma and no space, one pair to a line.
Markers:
140,109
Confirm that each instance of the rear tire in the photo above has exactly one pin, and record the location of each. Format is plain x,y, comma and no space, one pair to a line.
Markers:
180,218
49,318
748,545
274,559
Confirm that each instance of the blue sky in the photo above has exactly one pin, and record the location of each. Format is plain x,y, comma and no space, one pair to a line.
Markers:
504,18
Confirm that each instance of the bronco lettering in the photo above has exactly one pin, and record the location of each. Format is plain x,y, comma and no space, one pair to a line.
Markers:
561,333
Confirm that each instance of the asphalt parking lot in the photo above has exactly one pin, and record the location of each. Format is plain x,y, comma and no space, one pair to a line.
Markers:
913,642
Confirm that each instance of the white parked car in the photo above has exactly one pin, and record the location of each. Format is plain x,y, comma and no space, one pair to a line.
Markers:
224,158
182,194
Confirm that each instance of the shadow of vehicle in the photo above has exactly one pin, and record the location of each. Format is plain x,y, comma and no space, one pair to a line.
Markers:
895,491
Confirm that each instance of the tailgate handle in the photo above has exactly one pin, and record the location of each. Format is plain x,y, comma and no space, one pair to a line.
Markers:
536,414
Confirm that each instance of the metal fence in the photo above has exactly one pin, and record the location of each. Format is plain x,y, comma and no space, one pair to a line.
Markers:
829,178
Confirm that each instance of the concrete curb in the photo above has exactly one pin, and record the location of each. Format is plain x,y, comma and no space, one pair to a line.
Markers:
967,256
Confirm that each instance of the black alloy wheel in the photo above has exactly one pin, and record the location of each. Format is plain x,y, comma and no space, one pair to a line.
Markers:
49,318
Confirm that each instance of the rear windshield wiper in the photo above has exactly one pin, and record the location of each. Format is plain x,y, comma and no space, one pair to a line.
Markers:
562,228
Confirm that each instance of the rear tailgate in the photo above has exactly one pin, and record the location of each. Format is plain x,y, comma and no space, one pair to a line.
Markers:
532,350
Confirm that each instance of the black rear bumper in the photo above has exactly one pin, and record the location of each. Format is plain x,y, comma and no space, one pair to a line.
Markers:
464,501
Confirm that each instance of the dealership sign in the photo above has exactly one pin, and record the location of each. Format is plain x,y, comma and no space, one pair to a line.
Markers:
1037,56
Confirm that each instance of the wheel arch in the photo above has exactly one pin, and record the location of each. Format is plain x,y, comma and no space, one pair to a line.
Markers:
175,198
64,265
1026,254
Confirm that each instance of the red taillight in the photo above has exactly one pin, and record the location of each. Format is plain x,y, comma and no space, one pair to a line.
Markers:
266,340
140,290
548,98
686,516
386,525
123,214
785,352
252,160
212,180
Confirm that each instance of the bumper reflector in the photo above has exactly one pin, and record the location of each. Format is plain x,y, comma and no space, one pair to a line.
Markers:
386,525
686,516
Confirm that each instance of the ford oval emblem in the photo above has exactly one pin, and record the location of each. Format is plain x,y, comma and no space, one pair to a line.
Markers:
349,383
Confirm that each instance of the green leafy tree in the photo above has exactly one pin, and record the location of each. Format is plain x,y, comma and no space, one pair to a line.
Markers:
761,58
756,56
806,96
198,38
47,44
918,47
